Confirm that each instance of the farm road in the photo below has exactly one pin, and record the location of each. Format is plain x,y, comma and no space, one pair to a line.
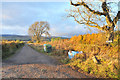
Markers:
28,63
27,55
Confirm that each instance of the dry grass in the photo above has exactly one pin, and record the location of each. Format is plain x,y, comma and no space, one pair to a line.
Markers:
91,45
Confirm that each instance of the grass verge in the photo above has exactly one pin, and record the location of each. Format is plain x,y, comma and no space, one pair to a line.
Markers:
59,55
9,50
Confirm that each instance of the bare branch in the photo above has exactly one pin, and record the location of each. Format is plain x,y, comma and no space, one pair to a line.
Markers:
89,22
116,18
79,22
106,11
90,17
86,6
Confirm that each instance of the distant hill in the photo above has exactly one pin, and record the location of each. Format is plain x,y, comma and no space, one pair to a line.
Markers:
15,37
25,37
6,35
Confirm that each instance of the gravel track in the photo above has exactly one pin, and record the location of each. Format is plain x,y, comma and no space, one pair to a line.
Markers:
28,63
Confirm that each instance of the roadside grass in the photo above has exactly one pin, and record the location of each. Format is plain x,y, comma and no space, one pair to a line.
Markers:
91,45
57,54
108,67
9,48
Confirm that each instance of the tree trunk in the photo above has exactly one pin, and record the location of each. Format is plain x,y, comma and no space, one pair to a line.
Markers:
32,39
110,34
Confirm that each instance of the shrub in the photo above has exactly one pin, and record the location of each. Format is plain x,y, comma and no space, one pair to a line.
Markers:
91,45
9,48
17,41
29,42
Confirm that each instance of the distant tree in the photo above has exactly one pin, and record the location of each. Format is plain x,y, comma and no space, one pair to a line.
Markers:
37,29
84,12
56,39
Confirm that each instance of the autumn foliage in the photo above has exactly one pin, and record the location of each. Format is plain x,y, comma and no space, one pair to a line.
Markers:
91,45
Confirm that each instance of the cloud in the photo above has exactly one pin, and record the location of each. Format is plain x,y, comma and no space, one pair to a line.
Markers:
68,30
27,13
17,17
14,30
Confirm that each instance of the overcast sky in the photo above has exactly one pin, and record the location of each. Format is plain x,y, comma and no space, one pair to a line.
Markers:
18,16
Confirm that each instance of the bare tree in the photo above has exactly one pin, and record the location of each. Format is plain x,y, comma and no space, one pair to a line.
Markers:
37,29
84,13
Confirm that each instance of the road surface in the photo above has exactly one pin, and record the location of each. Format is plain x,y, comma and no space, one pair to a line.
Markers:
28,63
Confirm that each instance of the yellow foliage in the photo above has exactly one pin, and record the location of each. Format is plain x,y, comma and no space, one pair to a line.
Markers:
91,44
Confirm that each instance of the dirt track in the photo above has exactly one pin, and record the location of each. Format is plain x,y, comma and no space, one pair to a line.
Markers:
28,63
29,56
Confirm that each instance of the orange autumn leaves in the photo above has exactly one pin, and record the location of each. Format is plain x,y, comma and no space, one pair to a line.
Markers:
90,38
